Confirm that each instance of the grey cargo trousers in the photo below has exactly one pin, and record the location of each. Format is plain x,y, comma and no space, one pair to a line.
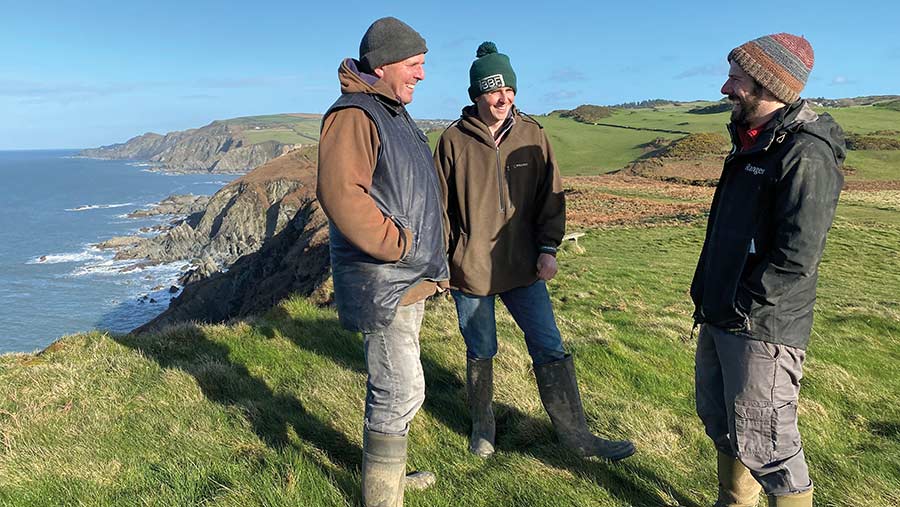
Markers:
747,393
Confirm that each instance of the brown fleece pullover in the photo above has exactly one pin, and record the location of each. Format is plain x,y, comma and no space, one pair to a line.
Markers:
504,203
348,152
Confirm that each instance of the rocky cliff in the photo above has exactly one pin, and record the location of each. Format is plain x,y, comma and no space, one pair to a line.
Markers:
271,220
238,219
217,147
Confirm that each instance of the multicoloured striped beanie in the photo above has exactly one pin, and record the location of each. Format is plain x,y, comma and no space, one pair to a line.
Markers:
781,63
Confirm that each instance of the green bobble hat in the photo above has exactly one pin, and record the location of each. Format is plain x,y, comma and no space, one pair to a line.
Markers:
490,71
389,40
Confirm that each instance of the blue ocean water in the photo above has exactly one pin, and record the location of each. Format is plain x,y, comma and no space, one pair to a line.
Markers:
53,208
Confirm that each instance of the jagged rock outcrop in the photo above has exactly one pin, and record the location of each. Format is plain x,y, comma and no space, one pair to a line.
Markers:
238,218
294,259
217,147
183,204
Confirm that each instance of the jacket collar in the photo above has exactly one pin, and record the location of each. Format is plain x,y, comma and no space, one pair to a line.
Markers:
789,119
471,123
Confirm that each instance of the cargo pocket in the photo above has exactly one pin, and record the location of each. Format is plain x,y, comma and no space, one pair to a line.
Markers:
787,436
754,428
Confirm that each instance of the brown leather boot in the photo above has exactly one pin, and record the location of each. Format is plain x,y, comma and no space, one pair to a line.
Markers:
562,401
737,488
480,394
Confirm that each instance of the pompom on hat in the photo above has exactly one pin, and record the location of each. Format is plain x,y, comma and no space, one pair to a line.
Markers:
490,71
780,62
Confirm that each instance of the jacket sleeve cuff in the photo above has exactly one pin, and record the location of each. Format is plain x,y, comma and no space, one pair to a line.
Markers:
550,250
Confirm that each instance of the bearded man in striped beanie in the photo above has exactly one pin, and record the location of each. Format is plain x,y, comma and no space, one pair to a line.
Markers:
755,283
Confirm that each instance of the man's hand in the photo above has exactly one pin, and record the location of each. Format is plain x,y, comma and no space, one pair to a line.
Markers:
546,267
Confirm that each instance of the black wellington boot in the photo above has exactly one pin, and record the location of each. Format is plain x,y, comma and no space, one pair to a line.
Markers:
562,401
480,394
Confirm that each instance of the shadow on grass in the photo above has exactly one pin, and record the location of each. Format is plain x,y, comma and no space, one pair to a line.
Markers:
445,401
326,338
272,415
630,483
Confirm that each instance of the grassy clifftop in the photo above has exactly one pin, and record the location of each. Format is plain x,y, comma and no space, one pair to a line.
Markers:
267,412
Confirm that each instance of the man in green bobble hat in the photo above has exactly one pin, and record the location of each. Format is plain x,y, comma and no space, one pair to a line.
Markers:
505,215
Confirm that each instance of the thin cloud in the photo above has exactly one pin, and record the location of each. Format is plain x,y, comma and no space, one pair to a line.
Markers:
462,42
715,69
560,96
65,93
842,80
244,82
567,75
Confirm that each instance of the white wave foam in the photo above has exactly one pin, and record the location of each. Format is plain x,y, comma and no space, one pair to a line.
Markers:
87,207
83,256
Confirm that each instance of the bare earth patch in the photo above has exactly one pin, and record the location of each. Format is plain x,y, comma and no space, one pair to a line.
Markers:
592,201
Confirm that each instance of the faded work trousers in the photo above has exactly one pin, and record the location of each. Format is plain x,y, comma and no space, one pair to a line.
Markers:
747,393
395,389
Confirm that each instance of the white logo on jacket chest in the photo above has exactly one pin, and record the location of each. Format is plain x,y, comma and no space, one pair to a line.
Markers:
752,169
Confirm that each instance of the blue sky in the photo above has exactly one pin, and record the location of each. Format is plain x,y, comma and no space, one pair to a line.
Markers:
81,74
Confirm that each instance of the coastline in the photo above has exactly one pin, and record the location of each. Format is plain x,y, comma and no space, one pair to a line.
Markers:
55,279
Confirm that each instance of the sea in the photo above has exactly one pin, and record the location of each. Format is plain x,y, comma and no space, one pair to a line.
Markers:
54,207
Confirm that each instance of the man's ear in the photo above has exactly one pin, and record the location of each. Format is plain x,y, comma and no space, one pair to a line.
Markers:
379,72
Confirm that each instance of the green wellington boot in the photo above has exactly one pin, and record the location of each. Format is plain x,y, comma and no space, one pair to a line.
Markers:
562,401
737,488
384,477
804,499
479,395
383,469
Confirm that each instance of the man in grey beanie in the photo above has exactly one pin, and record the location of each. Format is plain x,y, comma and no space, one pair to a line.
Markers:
377,185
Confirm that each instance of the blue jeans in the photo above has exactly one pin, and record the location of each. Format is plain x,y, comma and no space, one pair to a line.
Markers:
395,389
531,309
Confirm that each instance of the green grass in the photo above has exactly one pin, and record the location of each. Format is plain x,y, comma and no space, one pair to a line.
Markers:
874,164
284,128
864,119
671,118
280,135
583,149
267,412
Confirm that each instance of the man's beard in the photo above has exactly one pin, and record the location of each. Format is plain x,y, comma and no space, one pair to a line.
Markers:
749,107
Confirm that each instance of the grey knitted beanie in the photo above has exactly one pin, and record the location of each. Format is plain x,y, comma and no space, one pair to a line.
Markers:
388,40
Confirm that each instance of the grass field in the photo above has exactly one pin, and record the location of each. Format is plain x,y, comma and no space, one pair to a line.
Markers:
267,412
284,128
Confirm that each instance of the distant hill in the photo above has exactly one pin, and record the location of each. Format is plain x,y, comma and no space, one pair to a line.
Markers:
230,146
236,145
868,100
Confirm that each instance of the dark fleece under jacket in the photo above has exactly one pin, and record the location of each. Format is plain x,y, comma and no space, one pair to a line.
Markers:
771,211
505,204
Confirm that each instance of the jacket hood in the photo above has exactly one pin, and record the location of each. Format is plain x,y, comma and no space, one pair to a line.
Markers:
801,118
354,80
